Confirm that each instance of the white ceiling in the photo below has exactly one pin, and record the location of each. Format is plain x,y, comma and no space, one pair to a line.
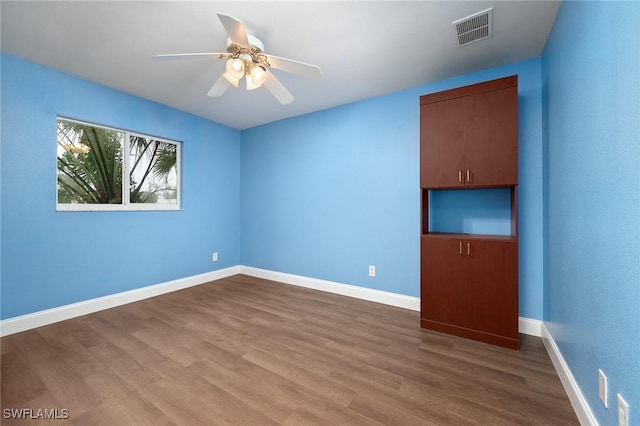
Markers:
364,48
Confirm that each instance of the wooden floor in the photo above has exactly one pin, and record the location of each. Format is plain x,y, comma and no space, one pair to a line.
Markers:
248,351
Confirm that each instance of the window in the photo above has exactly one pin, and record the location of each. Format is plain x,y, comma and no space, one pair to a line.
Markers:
100,168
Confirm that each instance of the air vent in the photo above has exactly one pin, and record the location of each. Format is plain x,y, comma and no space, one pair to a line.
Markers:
475,27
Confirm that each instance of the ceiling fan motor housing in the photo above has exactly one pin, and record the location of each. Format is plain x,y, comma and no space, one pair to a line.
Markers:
254,43
251,55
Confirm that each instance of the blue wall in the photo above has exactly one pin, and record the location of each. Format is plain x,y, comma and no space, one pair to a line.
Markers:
592,295
327,194
322,195
54,258
471,211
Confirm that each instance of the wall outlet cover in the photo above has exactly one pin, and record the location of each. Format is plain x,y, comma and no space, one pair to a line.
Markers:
623,411
372,270
602,387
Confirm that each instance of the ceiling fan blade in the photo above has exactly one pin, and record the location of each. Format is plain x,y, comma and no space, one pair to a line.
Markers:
295,67
172,56
277,89
219,87
235,29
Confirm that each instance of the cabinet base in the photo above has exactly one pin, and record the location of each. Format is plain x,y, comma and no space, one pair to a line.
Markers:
493,339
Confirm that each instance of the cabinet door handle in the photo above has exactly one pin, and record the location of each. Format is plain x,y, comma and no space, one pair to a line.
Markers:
461,248
460,176
468,249
468,176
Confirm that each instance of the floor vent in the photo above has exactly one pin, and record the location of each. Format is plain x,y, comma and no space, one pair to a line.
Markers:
475,27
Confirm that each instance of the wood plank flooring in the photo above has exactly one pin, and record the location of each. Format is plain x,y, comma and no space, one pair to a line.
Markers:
246,351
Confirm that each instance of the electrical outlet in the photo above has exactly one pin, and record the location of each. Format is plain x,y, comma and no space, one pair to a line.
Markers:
623,412
214,257
372,270
602,387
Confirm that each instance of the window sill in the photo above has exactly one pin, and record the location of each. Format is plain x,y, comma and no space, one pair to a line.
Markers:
115,208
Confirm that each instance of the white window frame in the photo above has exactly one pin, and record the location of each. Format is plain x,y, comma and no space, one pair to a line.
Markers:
126,205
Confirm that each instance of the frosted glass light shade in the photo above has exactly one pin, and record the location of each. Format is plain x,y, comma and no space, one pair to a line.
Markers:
231,79
258,74
251,84
235,68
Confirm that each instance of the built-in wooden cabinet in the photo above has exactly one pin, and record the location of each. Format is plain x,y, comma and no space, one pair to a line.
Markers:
469,283
467,136
469,286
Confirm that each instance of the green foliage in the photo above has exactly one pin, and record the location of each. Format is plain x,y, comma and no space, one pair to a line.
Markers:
151,157
90,166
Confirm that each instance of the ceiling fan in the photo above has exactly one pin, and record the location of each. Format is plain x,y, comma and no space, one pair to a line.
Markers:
246,58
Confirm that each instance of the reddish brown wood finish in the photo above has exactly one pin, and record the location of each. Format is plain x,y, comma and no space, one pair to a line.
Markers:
469,283
442,144
474,89
443,281
469,287
491,138
492,287
514,211
469,136
424,211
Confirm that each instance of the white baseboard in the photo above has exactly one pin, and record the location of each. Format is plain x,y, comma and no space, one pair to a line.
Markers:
579,403
532,327
61,313
525,325
384,297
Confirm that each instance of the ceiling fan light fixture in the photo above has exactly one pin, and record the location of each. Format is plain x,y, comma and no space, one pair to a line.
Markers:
251,82
258,74
235,68
245,59
231,79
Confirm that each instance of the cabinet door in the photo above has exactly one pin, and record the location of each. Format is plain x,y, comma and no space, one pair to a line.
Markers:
441,143
491,302
443,279
491,138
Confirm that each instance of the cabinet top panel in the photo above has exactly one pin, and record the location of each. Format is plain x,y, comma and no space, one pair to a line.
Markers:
487,86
